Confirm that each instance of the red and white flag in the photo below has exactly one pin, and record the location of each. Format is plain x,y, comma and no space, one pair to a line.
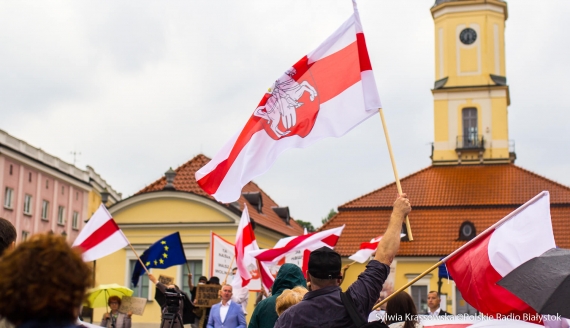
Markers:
367,249
101,236
478,265
288,245
245,243
325,94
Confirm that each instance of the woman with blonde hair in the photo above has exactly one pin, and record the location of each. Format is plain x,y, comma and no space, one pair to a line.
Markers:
288,298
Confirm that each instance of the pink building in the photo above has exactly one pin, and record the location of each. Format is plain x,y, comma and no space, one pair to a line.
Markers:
41,193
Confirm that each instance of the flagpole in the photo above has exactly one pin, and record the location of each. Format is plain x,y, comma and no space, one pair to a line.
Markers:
408,228
408,284
141,262
229,269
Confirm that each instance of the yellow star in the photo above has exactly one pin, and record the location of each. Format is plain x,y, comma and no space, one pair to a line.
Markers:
166,248
161,261
155,262
163,242
147,264
165,256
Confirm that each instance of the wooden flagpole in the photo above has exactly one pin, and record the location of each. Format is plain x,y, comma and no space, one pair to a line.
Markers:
137,255
408,228
229,269
408,284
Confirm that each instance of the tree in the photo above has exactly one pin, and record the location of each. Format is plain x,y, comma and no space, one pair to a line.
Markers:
329,216
307,225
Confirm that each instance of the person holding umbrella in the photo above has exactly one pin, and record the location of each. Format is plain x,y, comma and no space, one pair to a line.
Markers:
115,318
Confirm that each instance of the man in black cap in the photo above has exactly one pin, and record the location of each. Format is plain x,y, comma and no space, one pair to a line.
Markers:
324,306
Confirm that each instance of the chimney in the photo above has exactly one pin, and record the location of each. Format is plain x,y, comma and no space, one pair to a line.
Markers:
170,174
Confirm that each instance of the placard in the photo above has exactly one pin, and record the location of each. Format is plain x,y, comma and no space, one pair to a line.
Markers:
133,304
207,295
166,280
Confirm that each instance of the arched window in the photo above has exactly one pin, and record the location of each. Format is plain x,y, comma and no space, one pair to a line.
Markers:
470,130
467,231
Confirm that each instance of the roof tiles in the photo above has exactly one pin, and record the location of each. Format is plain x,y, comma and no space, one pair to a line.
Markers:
442,198
185,180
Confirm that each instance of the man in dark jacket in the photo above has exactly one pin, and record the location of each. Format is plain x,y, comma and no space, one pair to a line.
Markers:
288,277
323,305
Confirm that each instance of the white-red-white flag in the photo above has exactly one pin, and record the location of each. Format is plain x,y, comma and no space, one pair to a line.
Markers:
325,94
245,243
478,265
101,236
288,245
367,249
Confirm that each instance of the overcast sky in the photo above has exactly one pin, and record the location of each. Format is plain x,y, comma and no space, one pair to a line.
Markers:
140,86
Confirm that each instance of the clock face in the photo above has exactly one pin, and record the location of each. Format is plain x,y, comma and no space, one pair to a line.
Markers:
468,36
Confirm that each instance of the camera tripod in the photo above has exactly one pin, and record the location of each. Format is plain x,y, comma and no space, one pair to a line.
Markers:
173,317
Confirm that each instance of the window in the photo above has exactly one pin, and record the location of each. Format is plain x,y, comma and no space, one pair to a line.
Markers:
75,221
47,184
10,169
195,270
28,204
45,210
8,197
76,195
30,177
419,295
62,190
467,231
470,129
60,215
25,235
142,287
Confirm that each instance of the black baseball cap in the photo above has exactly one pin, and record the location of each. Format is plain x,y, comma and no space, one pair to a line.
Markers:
324,263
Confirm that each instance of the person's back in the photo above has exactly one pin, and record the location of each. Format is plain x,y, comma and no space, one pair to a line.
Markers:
323,305
264,315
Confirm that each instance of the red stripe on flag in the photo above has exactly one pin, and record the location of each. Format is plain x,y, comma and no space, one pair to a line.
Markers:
331,75
270,254
476,279
105,231
330,240
365,64
369,245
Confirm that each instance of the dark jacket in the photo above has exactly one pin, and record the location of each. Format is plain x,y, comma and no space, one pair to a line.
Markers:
324,307
185,307
288,277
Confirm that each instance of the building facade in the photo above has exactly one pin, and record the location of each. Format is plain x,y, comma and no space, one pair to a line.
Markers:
173,203
41,193
473,181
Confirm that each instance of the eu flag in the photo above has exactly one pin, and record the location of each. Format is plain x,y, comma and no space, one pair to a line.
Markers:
166,252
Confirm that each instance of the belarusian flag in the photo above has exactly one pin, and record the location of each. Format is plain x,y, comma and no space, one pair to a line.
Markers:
325,94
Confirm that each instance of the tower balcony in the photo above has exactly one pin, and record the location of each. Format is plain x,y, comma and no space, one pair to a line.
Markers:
470,142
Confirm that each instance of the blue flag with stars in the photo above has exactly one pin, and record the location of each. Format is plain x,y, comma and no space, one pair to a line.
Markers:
166,252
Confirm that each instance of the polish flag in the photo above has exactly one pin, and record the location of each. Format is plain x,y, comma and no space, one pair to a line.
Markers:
478,265
245,243
367,249
101,236
325,94
289,245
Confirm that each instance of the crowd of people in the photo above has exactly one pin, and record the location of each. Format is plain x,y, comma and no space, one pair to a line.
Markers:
44,283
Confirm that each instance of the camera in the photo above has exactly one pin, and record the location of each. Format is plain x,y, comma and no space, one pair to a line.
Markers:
173,299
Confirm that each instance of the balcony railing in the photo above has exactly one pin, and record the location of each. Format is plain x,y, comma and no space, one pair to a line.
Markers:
471,141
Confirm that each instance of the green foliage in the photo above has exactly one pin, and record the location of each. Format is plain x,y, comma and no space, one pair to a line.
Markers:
329,216
307,225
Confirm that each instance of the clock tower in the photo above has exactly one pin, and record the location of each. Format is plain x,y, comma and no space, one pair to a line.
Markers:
471,95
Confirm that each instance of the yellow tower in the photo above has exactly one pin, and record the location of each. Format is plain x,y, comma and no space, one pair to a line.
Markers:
470,93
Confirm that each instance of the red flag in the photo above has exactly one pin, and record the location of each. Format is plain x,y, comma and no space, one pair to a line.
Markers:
481,263
245,243
101,236
325,94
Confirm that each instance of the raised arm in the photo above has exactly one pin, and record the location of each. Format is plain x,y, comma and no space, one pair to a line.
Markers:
390,242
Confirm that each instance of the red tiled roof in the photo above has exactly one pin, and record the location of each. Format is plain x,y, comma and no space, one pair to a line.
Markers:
186,181
442,198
